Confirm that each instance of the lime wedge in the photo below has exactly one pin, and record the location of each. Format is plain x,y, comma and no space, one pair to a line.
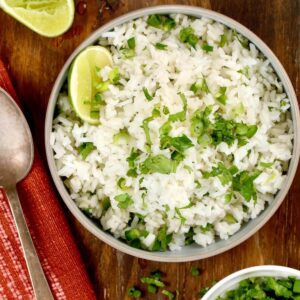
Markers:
46,17
83,80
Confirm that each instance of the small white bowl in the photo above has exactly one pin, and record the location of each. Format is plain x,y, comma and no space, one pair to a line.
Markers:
231,282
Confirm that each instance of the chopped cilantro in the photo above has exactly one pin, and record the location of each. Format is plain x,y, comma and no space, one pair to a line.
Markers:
132,234
162,240
134,154
243,183
147,94
127,52
163,22
207,228
121,135
124,200
134,292
85,149
242,40
160,46
187,35
181,143
245,72
223,40
166,110
158,164
229,218
152,289
131,43
168,294
264,288
195,271
122,184
195,87
114,75
105,204
221,96
266,164
207,48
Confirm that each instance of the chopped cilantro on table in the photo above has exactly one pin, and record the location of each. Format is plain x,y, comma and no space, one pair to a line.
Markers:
195,271
134,292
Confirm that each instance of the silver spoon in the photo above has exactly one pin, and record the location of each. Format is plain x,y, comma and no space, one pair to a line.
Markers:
16,157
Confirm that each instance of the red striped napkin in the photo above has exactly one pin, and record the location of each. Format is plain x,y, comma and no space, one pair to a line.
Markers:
52,237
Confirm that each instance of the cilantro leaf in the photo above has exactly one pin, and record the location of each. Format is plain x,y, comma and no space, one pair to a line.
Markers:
124,200
158,164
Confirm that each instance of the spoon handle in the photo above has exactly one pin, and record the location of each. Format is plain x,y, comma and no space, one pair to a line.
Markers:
40,285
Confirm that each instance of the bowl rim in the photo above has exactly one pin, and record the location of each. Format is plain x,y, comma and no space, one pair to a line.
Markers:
249,228
223,285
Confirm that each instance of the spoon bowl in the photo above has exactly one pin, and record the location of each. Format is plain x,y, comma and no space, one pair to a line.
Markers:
16,146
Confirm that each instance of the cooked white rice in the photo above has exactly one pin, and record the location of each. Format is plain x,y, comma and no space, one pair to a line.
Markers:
255,97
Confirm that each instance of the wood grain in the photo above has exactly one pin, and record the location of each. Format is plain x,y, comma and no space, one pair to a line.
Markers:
34,64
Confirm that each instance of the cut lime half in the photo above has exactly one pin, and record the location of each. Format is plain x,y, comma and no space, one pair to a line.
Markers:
49,18
83,78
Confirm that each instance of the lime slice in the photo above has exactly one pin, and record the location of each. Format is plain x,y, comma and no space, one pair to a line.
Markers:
46,17
83,79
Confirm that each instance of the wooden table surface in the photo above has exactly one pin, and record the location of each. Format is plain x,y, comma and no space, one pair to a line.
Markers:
34,63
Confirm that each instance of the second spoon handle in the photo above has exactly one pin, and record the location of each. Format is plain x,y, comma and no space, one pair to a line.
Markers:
40,285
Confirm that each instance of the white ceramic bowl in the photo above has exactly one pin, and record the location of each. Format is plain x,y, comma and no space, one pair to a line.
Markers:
231,282
192,252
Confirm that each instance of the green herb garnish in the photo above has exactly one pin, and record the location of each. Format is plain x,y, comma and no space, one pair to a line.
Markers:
121,135
265,288
242,40
207,48
266,164
114,75
221,96
131,43
124,200
127,52
147,94
132,234
243,183
163,22
158,164
134,292
223,40
85,149
196,87
187,35
162,240
152,281
195,271
160,46
122,184
168,294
